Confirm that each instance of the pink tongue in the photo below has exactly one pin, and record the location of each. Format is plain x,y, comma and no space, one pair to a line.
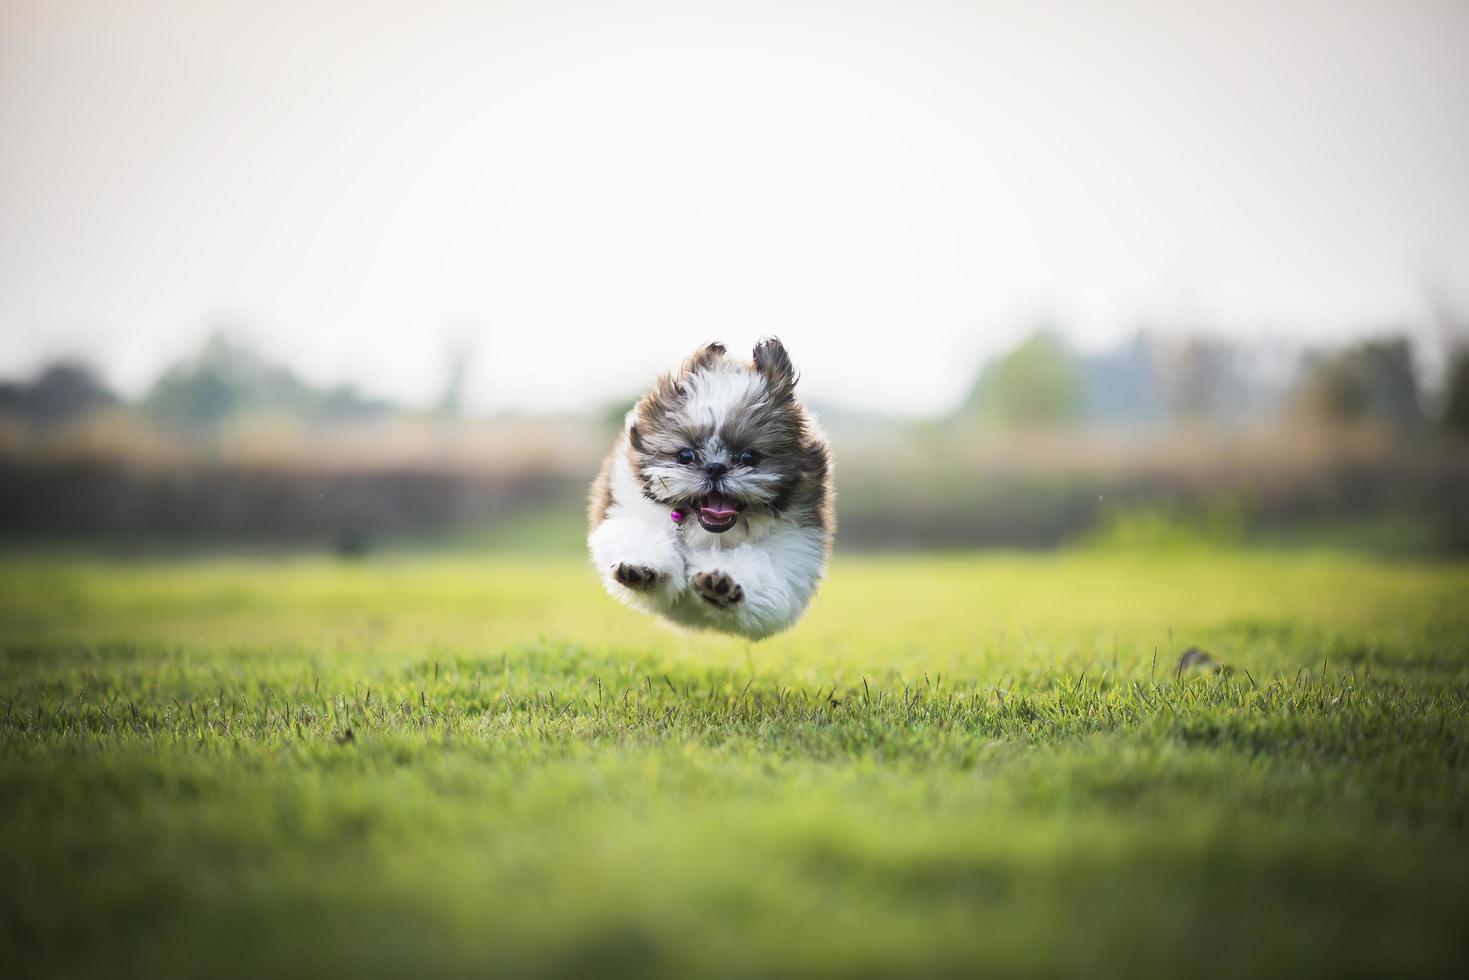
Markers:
718,507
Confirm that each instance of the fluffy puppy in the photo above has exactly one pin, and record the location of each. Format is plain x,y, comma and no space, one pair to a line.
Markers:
714,509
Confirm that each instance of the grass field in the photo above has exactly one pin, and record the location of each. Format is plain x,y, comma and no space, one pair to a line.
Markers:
955,765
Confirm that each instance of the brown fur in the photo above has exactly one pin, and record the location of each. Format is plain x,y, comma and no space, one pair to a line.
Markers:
600,498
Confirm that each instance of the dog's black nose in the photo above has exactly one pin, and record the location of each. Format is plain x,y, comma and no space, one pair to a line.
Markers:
716,469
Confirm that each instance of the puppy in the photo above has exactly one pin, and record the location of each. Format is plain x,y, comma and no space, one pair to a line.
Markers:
714,509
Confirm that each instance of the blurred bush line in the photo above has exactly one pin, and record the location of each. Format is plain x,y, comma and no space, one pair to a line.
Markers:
1147,443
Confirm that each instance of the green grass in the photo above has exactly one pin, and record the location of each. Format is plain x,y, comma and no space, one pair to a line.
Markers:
954,765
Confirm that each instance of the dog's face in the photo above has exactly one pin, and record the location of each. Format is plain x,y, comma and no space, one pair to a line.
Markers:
719,439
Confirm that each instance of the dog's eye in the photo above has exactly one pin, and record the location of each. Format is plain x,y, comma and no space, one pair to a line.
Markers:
686,457
748,458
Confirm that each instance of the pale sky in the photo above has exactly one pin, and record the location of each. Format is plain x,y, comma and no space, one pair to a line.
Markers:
586,191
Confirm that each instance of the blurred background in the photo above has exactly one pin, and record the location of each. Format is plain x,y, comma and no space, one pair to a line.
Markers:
375,277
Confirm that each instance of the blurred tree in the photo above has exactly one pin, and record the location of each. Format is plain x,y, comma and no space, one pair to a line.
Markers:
1122,385
1456,394
1201,379
346,403
614,415
457,364
64,390
223,380
1371,381
1036,383
226,380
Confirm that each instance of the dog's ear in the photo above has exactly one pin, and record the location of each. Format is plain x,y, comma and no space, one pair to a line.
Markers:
774,364
657,405
701,359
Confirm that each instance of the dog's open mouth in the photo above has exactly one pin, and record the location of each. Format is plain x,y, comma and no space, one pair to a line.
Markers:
718,513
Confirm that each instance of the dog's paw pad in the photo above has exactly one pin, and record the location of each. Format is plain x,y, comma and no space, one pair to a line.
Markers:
718,589
635,576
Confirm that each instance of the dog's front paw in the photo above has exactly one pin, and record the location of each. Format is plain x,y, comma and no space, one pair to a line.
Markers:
717,589
636,577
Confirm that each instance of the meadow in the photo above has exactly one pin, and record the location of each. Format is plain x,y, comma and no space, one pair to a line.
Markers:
957,764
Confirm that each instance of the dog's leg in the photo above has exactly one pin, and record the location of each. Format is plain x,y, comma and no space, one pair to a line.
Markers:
757,589
638,558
